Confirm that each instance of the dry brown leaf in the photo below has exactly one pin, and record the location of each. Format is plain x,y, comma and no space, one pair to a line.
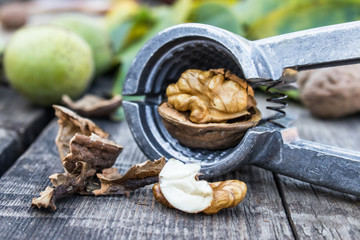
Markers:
65,184
101,153
137,176
70,123
45,200
92,105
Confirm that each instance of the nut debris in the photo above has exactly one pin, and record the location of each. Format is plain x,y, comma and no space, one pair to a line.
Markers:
137,176
70,123
92,105
65,184
99,152
89,153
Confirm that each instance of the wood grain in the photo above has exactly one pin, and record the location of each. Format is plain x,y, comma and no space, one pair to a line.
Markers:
9,148
316,212
260,216
20,123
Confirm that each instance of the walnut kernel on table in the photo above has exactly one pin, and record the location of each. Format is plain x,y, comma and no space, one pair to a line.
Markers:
331,92
180,188
209,109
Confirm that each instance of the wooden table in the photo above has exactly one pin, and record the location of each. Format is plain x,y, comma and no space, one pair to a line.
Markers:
276,207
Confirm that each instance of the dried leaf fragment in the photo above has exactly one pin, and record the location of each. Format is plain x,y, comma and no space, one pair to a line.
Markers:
101,153
70,123
211,96
225,194
45,200
65,184
139,175
92,105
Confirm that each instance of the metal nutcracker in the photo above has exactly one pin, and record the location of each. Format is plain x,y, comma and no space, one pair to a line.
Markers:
273,144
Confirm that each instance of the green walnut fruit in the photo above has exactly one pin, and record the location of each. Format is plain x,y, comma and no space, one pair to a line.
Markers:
45,62
94,34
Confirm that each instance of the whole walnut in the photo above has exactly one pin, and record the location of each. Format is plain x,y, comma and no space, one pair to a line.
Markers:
13,15
331,92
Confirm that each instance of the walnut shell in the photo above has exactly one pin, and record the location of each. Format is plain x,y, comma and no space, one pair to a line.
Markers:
213,136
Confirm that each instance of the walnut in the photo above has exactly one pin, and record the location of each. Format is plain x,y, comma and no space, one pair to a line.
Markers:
209,109
211,96
331,92
227,194
92,105
179,188
13,15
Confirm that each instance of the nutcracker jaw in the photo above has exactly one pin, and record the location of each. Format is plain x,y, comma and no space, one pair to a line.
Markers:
154,140
192,46
266,145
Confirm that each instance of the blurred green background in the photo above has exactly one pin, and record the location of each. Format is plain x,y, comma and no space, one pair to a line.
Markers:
127,24
131,24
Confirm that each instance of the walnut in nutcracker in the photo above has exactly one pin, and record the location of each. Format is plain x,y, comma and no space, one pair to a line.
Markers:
209,109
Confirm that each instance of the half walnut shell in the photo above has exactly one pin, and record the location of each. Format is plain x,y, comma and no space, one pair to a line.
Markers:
213,136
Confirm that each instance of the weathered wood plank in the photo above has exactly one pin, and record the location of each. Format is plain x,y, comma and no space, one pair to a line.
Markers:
20,123
316,212
260,216
9,148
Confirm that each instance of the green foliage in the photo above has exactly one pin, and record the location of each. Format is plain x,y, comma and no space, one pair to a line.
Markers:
217,14
166,17
253,19
300,15
132,29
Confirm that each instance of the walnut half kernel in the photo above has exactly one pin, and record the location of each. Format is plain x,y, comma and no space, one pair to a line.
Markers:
180,188
209,109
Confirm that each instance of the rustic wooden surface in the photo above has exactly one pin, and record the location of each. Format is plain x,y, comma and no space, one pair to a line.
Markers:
317,212
20,123
276,207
